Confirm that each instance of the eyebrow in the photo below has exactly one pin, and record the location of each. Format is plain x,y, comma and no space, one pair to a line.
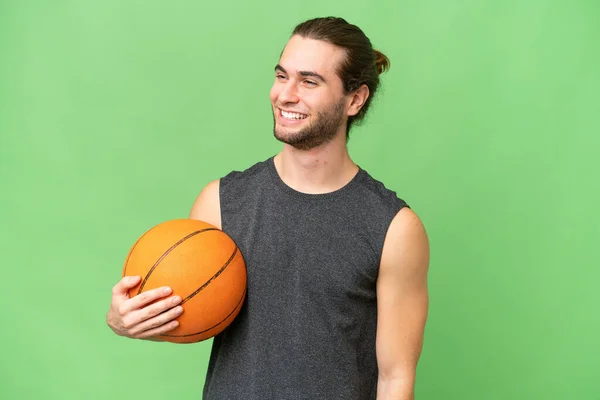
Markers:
302,73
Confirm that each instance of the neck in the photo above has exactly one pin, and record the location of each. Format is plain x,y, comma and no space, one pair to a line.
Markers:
323,169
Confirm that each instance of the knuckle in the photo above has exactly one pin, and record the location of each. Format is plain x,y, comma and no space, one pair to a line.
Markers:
133,332
156,323
127,323
122,310
164,305
118,288
149,312
142,334
110,321
147,297
160,305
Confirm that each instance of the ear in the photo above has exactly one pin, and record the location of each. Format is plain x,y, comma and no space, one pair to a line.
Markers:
358,99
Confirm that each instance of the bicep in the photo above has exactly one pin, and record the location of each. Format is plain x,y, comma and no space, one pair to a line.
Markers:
402,294
207,206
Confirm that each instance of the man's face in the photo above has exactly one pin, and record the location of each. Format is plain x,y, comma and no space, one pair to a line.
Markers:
309,106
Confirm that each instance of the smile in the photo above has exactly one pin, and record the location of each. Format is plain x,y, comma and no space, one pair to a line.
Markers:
292,116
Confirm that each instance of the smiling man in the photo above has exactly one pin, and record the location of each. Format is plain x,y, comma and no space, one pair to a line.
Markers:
337,264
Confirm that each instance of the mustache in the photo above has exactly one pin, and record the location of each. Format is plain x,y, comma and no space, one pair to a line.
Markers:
290,110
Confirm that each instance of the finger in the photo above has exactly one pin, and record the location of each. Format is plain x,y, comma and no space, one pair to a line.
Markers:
126,283
136,317
157,321
143,299
146,305
158,331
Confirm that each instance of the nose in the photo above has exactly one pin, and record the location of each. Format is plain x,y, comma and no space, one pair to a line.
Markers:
289,93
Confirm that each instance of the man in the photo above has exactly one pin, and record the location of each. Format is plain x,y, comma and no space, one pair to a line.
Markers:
337,265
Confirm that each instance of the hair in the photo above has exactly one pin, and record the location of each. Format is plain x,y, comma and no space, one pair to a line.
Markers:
362,65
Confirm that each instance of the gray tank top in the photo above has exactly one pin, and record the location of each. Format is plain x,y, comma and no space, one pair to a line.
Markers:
307,328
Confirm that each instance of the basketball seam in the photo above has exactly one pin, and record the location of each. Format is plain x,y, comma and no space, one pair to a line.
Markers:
215,276
238,305
166,253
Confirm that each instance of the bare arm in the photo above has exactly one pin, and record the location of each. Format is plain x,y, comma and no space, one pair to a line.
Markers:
403,302
207,206
151,313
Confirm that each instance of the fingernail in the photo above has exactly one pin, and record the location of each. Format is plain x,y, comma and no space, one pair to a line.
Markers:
132,279
176,300
167,290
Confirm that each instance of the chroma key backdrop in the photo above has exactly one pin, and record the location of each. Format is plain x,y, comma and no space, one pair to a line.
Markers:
115,114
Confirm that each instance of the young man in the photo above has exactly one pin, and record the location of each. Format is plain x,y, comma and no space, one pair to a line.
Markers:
337,265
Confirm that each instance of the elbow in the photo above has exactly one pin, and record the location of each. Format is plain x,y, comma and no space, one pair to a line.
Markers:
396,384
399,376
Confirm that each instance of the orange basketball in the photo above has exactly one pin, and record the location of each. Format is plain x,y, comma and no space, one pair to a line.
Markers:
201,264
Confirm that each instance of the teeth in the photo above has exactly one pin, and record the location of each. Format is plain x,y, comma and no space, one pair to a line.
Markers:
289,115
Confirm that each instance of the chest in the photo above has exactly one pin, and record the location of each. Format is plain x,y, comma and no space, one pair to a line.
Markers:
309,252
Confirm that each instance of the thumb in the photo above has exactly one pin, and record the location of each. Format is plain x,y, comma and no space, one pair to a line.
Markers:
130,281
126,283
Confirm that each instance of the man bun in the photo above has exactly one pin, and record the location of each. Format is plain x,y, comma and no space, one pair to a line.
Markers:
381,62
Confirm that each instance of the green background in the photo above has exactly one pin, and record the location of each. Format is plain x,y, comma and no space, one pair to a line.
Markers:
114,115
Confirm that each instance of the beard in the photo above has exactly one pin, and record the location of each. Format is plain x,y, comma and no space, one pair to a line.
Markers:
322,130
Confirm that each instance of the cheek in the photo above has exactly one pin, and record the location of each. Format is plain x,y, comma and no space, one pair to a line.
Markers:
274,94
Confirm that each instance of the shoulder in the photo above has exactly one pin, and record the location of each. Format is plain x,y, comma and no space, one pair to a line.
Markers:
237,178
406,245
376,194
206,207
238,187
407,223
378,188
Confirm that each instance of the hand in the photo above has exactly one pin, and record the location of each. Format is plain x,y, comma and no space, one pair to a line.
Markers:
139,317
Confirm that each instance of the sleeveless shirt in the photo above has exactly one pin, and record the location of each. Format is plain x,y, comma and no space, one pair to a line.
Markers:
308,325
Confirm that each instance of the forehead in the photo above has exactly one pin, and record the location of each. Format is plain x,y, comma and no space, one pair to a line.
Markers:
301,54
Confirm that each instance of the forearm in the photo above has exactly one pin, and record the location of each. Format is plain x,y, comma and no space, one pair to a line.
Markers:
395,388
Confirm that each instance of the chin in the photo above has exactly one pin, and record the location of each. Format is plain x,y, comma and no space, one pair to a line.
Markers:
283,134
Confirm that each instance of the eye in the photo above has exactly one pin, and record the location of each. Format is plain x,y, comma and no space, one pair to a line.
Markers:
280,76
310,83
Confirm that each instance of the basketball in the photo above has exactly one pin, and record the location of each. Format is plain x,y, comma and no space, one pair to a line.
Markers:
202,265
